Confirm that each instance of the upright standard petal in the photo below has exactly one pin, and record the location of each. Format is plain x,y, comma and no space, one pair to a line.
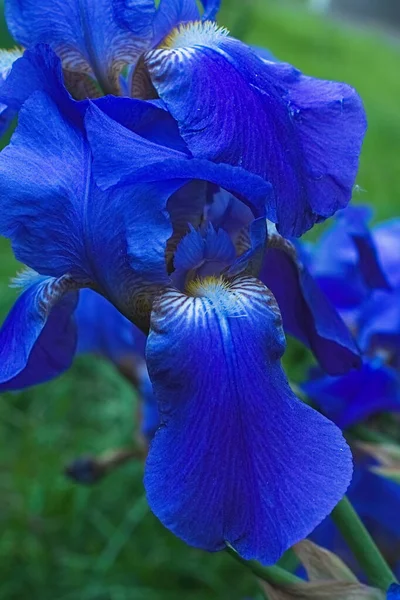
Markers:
301,134
85,34
63,223
306,312
38,338
244,463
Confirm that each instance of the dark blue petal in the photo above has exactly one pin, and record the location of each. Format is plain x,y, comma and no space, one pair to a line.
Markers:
306,312
85,34
238,459
302,134
38,338
121,155
103,330
356,396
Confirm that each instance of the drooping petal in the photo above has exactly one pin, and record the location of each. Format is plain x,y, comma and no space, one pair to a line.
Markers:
358,395
120,155
38,338
306,312
85,34
238,459
301,134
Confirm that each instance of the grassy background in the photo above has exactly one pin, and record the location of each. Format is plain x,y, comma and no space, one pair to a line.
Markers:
63,542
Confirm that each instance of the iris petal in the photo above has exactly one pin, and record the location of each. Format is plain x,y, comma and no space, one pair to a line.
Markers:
306,312
121,155
358,395
347,261
39,69
301,134
85,34
38,338
243,462
63,223
7,59
170,13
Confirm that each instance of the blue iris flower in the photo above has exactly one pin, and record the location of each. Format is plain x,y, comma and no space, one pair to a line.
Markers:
358,270
232,105
237,460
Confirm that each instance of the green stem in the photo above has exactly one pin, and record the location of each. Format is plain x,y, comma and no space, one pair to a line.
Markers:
274,575
362,545
289,561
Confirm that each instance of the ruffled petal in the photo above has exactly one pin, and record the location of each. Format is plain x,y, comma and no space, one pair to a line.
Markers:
306,312
85,34
238,459
38,338
358,395
301,134
121,155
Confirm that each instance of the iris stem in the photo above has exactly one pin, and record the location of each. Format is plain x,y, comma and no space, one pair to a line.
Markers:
274,575
362,545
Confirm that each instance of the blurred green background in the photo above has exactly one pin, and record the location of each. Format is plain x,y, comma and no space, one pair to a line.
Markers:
64,542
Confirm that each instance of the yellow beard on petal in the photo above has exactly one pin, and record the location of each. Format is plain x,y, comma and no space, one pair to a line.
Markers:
195,33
